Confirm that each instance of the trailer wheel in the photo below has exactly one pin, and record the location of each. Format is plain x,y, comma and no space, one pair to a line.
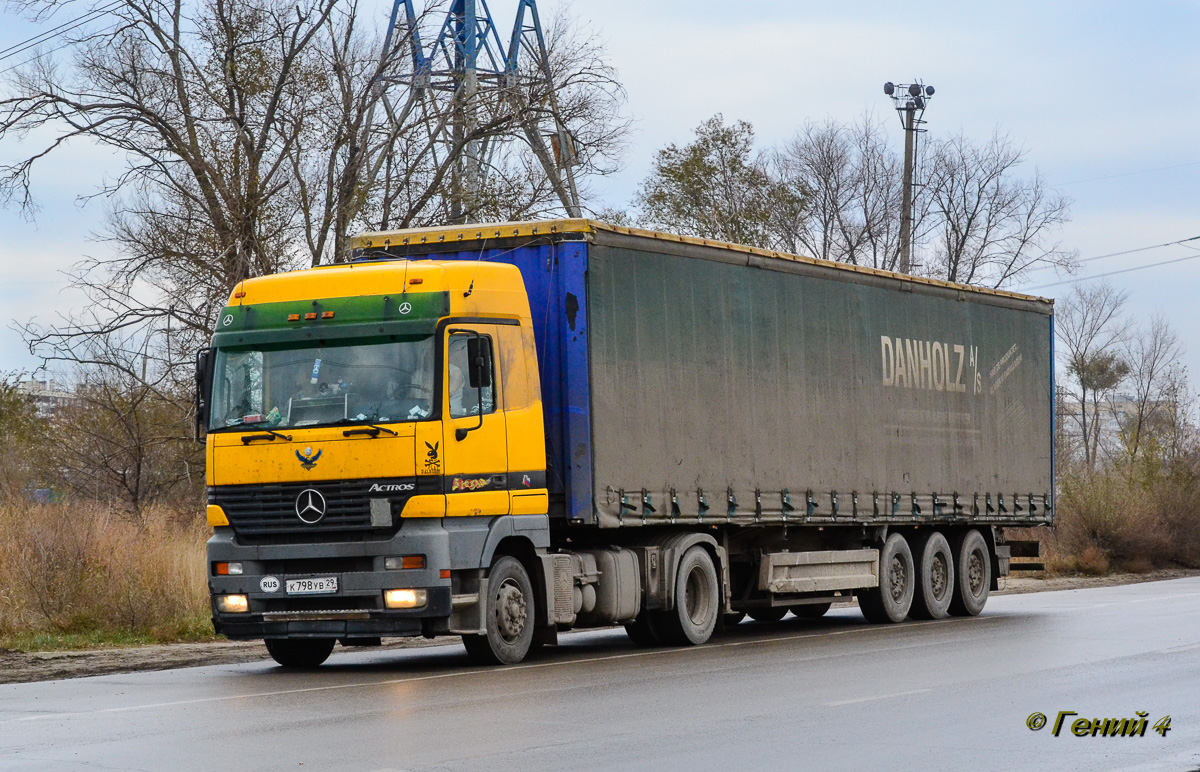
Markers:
299,653
811,610
934,587
767,613
891,600
642,630
697,601
509,616
972,574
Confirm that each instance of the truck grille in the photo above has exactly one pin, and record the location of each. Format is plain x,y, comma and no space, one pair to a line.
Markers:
268,513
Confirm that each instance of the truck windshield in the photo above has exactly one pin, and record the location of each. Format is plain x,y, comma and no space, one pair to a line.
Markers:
273,387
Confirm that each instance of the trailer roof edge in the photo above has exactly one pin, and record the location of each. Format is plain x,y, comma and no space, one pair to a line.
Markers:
462,234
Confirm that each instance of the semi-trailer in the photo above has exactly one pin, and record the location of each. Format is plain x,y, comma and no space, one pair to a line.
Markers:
504,431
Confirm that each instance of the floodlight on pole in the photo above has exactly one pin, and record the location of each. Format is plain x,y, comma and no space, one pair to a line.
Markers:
910,100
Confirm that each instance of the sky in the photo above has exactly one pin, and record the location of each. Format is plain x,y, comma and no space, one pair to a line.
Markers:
1102,97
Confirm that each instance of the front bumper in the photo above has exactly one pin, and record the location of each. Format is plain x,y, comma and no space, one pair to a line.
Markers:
356,610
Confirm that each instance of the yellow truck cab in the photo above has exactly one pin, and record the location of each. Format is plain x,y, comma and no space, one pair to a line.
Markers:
347,400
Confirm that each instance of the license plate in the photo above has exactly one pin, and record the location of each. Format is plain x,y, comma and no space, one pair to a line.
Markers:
312,586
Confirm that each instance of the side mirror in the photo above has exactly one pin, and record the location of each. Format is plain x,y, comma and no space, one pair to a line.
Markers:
204,379
479,356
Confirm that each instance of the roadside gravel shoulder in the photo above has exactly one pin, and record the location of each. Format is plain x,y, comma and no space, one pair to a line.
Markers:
22,667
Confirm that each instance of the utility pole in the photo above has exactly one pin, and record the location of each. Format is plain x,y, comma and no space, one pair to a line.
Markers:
910,101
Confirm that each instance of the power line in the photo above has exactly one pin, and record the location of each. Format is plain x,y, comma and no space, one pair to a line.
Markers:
35,57
1124,252
65,27
1111,273
1129,174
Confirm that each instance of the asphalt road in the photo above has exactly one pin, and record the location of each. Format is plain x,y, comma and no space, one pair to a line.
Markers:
832,694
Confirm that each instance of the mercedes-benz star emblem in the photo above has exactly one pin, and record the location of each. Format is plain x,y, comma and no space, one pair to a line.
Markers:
310,506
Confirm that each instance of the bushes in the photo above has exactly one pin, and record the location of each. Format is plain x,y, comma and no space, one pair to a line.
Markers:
1131,522
72,569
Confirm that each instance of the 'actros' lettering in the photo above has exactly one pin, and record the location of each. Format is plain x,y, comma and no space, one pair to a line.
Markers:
386,488
928,364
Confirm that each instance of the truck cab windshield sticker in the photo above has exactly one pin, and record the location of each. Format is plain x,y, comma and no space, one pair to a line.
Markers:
308,459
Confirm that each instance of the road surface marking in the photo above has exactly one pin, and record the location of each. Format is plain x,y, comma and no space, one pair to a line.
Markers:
839,703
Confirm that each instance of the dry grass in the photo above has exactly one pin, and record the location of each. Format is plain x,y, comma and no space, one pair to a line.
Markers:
1114,520
80,574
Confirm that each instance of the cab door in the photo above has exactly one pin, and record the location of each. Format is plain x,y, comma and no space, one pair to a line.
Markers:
475,437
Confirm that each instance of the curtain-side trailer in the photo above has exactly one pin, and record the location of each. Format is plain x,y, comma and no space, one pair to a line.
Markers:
504,431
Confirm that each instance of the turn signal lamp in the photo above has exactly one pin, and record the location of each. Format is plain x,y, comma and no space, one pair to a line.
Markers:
233,604
408,561
404,598
229,569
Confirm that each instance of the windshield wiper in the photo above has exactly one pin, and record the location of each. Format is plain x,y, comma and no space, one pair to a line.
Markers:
370,429
269,435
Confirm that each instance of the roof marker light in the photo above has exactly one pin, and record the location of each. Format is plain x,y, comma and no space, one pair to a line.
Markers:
311,315
293,317
416,281
240,294
326,314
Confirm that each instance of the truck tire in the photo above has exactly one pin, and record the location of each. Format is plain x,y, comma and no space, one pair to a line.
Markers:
509,616
697,601
934,587
642,630
299,653
767,613
811,610
972,574
890,601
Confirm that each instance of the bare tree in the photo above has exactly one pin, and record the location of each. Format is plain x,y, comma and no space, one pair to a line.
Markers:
851,182
1151,353
992,226
1091,330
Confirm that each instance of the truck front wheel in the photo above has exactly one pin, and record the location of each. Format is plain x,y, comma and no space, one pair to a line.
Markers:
891,600
299,653
509,616
697,601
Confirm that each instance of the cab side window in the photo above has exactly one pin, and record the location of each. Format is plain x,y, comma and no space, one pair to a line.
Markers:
464,399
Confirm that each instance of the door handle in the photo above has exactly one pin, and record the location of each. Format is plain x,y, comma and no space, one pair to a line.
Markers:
500,480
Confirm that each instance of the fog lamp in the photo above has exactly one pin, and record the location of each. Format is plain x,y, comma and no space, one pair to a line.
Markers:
404,598
233,604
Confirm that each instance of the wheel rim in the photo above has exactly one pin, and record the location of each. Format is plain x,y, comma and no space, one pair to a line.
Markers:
897,578
975,573
698,600
939,575
512,611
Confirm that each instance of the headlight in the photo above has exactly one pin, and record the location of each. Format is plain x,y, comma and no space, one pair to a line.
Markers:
233,604
404,598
